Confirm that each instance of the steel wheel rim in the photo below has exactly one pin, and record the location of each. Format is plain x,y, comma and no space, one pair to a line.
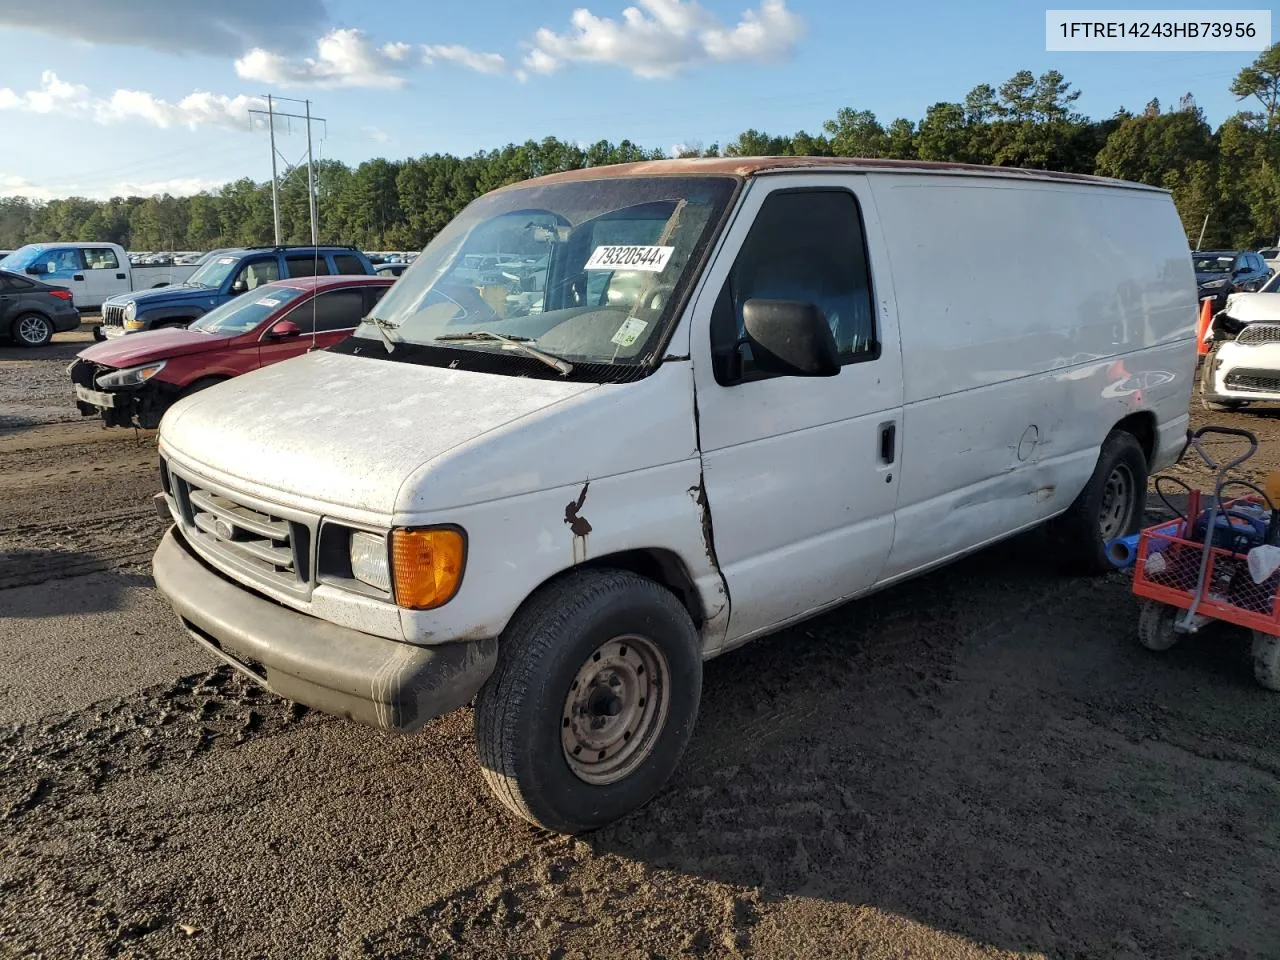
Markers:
31,329
615,710
1117,506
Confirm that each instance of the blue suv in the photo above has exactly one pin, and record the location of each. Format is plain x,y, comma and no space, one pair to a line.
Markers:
224,275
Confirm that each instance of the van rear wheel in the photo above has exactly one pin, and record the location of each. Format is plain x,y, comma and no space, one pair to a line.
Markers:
1111,505
592,703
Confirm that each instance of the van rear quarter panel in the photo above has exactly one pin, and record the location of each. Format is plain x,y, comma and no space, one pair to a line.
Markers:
1047,312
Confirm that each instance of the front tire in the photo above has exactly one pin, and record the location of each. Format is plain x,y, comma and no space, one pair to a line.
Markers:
1156,622
1266,660
592,703
1111,505
32,330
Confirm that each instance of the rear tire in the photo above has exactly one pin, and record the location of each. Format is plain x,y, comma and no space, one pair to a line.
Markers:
32,330
1111,505
593,700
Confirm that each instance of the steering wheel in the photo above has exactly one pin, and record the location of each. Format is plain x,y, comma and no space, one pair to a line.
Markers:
659,293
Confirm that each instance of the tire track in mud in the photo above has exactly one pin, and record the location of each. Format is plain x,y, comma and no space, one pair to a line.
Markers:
81,752
34,553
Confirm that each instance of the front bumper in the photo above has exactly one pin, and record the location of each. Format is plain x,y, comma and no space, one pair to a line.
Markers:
1245,372
378,682
140,406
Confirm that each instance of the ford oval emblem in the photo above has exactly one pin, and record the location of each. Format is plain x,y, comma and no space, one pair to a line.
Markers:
223,529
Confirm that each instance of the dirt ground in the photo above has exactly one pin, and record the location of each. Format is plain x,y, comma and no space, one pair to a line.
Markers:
981,763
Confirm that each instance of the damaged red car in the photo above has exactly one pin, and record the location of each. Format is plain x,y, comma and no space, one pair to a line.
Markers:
131,381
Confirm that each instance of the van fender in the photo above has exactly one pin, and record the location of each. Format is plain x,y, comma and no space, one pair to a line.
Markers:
517,545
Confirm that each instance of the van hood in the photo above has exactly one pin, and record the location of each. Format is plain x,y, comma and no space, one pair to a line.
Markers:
1253,307
149,346
174,293
345,431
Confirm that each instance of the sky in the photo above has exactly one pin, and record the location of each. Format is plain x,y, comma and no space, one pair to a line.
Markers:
144,96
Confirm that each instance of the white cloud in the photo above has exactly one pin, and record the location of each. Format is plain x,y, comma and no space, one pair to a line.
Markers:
225,28
15,186
377,135
344,58
491,63
198,109
661,38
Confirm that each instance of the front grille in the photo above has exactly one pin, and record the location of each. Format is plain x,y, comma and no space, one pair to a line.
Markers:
1256,334
256,540
113,315
1259,381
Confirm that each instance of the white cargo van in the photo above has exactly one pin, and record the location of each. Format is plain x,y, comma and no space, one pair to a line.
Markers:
738,401
91,271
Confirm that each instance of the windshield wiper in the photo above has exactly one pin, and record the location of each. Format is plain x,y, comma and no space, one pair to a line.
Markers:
382,326
520,343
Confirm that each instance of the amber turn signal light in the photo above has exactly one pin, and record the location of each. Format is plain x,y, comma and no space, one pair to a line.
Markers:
426,566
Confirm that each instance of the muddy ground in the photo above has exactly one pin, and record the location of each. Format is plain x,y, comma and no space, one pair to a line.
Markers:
981,763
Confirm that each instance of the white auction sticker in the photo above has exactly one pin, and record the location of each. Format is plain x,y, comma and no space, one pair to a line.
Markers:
651,259
629,332
268,302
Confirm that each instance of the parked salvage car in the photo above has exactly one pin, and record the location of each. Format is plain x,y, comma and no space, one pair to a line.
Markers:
391,269
31,312
735,406
1220,273
132,381
221,277
1242,365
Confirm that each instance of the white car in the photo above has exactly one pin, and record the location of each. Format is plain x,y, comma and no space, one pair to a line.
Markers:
1243,362
1272,256
741,404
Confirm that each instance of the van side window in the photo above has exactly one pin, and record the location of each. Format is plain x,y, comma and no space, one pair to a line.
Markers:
307,265
101,258
804,245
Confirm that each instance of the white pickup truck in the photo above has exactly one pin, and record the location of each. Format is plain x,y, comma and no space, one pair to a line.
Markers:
91,271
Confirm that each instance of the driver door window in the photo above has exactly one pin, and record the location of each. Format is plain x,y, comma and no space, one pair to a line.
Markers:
805,245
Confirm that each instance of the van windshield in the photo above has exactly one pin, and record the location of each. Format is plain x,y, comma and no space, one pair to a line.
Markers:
586,270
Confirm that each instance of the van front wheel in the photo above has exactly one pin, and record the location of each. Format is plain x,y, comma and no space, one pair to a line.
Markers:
1111,505
592,703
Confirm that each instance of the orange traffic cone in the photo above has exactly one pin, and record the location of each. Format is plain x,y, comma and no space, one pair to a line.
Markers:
1206,314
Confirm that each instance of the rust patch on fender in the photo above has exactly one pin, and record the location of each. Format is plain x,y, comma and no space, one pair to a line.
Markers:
577,523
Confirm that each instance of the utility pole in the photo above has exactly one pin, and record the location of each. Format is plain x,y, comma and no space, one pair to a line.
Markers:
1200,242
275,180
271,113
311,185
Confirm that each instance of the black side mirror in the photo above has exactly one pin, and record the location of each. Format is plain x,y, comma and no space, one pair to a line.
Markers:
791,338
34,271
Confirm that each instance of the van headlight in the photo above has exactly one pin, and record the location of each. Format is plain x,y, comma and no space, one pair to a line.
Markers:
369,564
132,377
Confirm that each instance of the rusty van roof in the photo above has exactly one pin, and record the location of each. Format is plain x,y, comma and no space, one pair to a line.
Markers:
747,167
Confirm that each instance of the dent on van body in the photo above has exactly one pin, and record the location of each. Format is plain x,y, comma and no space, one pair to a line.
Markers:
1090,324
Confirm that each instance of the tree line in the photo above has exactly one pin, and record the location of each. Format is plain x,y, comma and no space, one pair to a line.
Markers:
1230,175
